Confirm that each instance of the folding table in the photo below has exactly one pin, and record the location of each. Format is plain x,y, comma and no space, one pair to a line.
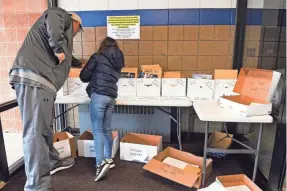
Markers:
209,111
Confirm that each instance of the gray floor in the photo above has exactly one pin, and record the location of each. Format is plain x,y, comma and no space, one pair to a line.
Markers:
127,176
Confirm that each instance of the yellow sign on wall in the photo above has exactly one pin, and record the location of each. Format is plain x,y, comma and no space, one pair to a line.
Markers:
123,27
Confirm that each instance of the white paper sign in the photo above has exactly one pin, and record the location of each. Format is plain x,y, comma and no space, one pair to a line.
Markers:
135,153
123,27
63,147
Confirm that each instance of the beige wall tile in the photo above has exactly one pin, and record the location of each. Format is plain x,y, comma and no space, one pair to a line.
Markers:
174,62
132,61
131,48
190,47
89,48
206,32
77,48
145,48
175,32
175,48
145,60
190,32
146,33
188,74
220,48
89,35
160,48
251,62
205,48
220,62
160,32
189,63
253,33
101,33
205,63
222,32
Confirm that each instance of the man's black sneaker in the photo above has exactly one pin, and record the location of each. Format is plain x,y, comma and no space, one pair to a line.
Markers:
62,165
111,163
101,170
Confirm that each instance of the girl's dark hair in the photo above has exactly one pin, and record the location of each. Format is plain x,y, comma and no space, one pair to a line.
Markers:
106,43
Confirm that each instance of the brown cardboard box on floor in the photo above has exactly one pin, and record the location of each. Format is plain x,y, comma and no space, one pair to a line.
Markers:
140,147
219,140
190,176
237,180
75,72
225,74
65,144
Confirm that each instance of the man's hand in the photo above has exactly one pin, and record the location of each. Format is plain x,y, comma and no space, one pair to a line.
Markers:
61,57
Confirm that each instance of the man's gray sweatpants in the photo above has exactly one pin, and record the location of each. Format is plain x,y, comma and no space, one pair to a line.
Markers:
36,107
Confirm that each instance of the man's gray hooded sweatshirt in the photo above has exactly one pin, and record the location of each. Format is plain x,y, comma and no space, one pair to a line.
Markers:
36,63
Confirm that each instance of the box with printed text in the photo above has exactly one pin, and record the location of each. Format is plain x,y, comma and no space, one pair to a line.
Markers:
65,144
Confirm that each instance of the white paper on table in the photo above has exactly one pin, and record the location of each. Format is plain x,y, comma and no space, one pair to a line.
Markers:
133,152
213,187
238,188
63,147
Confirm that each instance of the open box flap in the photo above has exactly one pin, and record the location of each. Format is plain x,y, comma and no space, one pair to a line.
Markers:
60,136
225,74
187,176
257,84
88,135
142,139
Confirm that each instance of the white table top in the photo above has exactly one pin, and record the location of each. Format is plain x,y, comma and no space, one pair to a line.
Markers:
209,111
132,101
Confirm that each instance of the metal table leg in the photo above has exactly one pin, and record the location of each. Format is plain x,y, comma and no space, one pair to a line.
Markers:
179,127
205,154
257,152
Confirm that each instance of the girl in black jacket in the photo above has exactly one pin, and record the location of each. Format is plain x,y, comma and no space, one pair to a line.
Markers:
102,71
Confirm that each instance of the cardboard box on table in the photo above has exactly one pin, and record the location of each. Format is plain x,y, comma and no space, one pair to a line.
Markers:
86,146
65,144
173,85
255,88
127,87
129,73
140,147
200,89
148,87
224,83
190,176
219,140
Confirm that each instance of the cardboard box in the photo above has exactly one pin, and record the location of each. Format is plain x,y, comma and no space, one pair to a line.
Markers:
190,176
148,87
75,72
151,71
234,182
86,146
140,147
76,87
127,87
219,140
255,88
225,74
175,74
223,88
202,76
65,144
173,87
200,89
129,73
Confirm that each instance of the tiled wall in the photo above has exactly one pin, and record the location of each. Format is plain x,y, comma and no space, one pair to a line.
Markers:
16,17
188,48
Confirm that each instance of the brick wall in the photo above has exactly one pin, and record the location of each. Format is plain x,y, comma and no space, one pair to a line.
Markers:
16,18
